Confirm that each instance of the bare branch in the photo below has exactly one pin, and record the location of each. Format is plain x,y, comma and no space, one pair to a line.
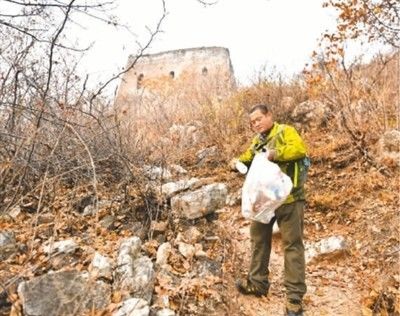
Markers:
205,3
34,37
137,57
58,5
53,43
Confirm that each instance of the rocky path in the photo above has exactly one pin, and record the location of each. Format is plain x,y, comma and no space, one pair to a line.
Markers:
332,289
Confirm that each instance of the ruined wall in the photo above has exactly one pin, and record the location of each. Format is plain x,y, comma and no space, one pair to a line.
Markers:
177,74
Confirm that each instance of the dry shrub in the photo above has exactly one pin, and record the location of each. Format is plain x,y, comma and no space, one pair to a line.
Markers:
219,112
365,96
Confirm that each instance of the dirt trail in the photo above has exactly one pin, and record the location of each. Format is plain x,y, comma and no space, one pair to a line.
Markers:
332,288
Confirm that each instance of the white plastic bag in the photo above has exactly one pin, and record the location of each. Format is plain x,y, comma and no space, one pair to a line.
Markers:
265,189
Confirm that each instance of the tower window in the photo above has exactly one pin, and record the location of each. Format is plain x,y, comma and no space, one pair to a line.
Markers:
172,74
204,71
139,81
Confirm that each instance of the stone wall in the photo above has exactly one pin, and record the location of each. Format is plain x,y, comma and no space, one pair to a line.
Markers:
179,72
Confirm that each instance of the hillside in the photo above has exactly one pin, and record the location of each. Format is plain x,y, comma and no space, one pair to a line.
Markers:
99,188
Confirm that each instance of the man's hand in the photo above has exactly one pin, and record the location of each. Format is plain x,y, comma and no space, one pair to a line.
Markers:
271,155
232,164
236,165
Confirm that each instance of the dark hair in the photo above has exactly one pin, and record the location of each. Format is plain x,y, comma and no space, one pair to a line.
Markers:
263,108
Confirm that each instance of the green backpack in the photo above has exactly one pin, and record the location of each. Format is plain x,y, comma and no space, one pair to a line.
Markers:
304,166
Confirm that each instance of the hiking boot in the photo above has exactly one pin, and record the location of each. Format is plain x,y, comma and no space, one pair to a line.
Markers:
294,308
247,288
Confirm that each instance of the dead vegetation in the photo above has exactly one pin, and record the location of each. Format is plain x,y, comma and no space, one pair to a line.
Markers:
66,151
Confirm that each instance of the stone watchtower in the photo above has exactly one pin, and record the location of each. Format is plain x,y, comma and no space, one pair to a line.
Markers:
177,74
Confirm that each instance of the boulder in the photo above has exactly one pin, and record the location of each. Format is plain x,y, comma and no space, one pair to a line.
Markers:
172,188
63,246
63,293
201,202
129,250
157,173
143,278
186,135
388,148
94,208
134,273
311,113
325,246
207,153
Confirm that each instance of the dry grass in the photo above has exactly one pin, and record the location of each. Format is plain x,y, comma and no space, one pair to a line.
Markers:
81,153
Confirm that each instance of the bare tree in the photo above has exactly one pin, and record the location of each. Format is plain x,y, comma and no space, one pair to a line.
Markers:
41,96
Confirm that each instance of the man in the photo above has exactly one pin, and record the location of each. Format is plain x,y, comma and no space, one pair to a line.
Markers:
287,149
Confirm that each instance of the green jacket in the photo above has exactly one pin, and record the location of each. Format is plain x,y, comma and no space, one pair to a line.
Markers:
289,153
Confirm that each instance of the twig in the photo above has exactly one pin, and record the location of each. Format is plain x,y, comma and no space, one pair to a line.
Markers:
94,180
137,57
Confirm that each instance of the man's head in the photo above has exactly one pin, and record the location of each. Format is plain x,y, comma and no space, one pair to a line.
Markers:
260,118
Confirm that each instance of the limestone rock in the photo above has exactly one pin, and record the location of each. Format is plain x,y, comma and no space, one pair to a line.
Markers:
157,173
325,246
186,135
165,312
63,246
391,141
133,307
143,278
171,188
186,250
200,202
92,209
205,266
163,253
15,212
63,293
107,221
311,113
129,250
134,273
234,198
8,245
178,169
199,252
101,266
192,235
389,147
207,153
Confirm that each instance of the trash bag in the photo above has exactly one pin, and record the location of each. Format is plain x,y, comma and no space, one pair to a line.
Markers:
265,189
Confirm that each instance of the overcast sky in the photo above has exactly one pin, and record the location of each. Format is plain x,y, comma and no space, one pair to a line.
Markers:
258,33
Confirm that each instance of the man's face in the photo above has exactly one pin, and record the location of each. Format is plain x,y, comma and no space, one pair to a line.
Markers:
260,122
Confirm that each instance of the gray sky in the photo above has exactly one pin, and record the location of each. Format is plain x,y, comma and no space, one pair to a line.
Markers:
272,33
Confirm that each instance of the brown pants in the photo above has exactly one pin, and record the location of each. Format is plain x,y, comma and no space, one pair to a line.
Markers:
290,219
